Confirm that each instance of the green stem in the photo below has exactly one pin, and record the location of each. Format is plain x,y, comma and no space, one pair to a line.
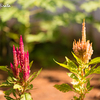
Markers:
82,95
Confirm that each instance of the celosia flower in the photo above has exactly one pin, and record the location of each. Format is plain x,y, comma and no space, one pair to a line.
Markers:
83,49
26,67
20,58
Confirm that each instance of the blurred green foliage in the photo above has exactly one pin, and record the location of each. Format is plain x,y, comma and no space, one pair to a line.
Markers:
39,21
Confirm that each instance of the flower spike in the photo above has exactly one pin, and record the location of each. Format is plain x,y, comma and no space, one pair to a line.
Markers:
83,49
20,58
21,52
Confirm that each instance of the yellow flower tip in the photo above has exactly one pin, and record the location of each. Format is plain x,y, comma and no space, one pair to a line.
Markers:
83,31
84,20
79,40
74,42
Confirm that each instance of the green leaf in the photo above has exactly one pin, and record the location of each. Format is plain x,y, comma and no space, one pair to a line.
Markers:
6,84
4,68
10,73
8,92
88,84
76,98
88,72
14,93
26,96
61,64
70,65
19,66
10,80
17,86
97,70
72,75
32,77
29,87
31,64
77,59
63,87
76,87
8,98
15,79
95,60
90,88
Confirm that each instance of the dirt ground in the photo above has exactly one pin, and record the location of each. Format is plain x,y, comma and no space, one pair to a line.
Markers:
44,90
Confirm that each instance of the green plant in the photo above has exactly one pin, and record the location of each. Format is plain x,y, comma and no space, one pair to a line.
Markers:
19,80
80,69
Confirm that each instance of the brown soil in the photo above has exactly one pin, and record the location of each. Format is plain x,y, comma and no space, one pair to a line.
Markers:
44,90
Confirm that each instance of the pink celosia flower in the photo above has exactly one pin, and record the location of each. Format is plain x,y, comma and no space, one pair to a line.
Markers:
21,59
21,49
26,67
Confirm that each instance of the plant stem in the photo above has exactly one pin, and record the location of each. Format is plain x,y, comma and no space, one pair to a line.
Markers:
83,84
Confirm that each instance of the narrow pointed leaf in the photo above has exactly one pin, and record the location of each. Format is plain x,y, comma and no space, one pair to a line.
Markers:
8,98
61,64
6,84
95,60
97,70
90,88
4,68
14,93
29,87
77,59
31,64
70,65
88,84
10,80
88,72
35,75
32,75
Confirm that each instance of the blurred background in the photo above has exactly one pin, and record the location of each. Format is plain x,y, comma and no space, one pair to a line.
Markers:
48,28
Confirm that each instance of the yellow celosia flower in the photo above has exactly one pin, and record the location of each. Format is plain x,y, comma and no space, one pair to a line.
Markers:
83,49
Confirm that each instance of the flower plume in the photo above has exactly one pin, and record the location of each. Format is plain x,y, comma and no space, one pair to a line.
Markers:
83,49
20,58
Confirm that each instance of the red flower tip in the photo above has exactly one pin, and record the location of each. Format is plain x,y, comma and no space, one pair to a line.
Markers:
21,40
11,65
13,48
